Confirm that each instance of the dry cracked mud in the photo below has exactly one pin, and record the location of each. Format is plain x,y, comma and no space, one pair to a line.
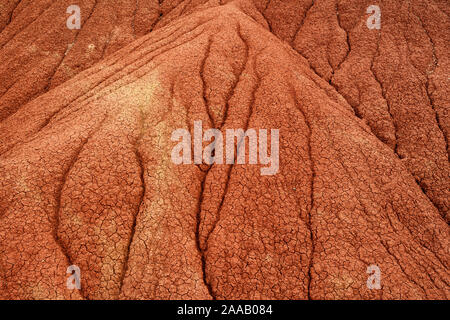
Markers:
87,179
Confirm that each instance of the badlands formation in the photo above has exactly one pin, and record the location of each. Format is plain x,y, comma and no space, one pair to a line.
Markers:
358,207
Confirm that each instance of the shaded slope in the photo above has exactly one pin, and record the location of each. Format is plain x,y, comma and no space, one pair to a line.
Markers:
395,78
38,52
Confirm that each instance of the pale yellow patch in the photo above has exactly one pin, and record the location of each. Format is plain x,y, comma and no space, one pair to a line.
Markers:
137,98
343,282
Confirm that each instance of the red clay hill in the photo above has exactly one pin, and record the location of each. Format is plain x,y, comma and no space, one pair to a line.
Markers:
87,179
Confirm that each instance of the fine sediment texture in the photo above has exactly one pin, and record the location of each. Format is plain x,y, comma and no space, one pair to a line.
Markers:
87,179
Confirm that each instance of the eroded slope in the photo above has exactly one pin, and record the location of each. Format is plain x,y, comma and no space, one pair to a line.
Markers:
87,179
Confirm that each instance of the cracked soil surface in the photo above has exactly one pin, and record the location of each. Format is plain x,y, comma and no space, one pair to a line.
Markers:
86,176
